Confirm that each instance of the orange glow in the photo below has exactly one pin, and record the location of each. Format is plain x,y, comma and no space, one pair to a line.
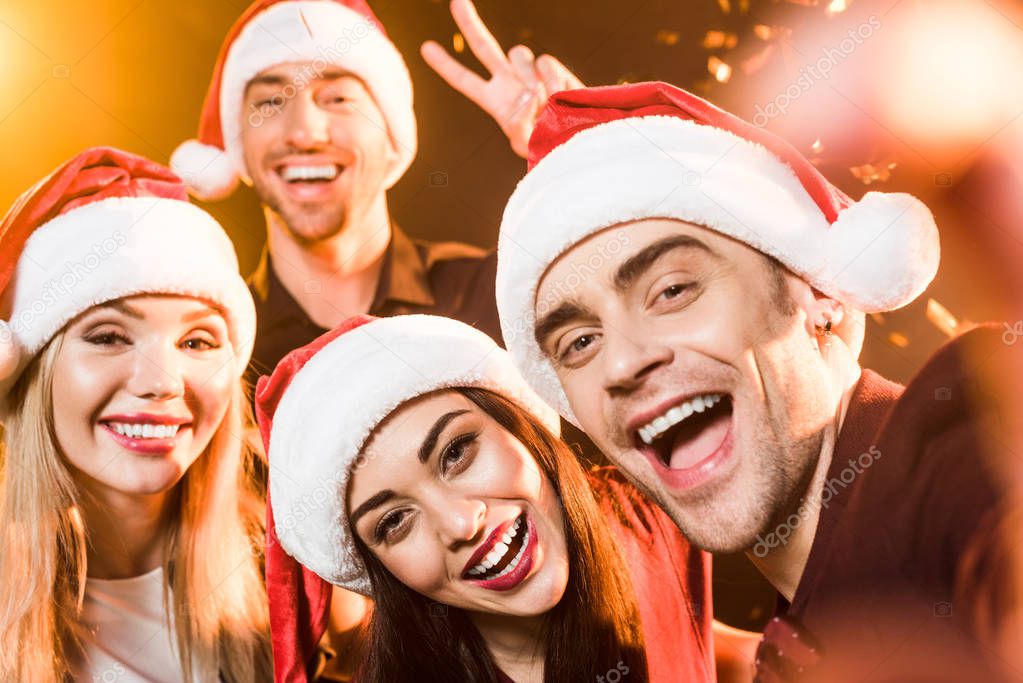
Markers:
947,78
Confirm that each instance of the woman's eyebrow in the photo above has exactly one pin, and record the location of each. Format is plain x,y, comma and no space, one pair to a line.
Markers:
374,501
431,437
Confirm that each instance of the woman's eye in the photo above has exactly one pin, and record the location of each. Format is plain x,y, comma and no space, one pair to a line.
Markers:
199,344
389,526
456,456
107,339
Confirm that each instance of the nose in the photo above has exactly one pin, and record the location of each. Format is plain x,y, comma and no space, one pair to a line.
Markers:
157,373
629,359
307,123
462,521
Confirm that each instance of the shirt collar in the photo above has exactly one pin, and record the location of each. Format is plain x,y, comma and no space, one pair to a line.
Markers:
403,278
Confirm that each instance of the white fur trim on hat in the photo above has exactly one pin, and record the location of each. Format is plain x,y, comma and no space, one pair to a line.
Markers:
208,171
337,399
118,247
879,254
340,36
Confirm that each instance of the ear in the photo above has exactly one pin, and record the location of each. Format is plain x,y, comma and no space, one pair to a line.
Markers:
819,308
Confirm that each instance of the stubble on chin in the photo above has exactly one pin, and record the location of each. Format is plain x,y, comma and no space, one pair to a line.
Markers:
306,225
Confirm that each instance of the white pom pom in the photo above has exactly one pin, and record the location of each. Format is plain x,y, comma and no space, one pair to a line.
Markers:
208,171
884,252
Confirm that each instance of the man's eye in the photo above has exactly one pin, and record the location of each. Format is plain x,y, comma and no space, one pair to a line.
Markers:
581,343
674,291
577,349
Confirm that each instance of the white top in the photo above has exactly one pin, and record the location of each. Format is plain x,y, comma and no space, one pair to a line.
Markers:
131,637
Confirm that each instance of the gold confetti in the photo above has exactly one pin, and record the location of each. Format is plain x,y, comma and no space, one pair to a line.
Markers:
877,318
942,318
715,40
804,3
871,173
458,43
763,31
817,147
837,6
719,69
726,6
897,339
666,37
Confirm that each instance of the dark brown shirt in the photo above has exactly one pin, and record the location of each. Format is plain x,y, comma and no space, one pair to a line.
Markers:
910,494
446,278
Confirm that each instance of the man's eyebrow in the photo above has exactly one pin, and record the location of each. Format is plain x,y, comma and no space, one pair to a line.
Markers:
374,501
276,79
636,265
431,437
267,79
566,311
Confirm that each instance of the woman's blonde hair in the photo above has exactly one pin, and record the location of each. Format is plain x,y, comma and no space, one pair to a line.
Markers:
213,562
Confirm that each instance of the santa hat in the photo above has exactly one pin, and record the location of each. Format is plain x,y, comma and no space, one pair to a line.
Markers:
105,225
316,412
322,33
604,156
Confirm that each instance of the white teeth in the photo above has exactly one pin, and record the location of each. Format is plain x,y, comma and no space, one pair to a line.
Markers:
672,417
325,172
144,431
500,549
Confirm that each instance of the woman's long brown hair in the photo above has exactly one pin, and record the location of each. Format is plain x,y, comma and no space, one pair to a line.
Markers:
593,629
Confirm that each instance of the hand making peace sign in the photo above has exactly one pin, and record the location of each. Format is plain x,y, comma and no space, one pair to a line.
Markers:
519,84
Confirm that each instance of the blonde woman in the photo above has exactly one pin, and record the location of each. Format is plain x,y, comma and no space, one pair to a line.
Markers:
128,514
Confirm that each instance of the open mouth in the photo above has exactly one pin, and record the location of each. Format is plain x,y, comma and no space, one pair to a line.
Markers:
688,433
502,553
317,174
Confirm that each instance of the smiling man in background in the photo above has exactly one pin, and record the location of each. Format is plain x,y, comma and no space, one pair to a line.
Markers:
311,104
691,291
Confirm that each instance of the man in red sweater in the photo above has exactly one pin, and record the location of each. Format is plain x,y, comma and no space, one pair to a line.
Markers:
689,290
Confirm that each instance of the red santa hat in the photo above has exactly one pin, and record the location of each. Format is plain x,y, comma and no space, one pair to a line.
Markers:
604,156
321,33
105,225
315,413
